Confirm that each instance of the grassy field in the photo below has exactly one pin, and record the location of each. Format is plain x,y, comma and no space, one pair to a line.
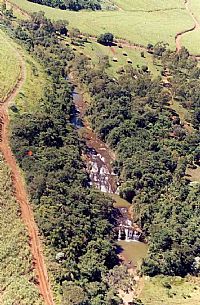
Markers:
16,12
16,275
182,291
195,7
95,51
149,5
192,41
138,27
9,68
33,88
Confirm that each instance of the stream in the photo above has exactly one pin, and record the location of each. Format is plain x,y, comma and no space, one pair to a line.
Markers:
99,157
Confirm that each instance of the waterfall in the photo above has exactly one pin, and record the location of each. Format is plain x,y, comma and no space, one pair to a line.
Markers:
136,236
119,234
126,234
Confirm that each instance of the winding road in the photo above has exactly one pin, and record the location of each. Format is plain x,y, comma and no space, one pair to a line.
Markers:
195,27
20,190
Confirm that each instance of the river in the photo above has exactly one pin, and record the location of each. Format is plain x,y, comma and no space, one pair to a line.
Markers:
99,159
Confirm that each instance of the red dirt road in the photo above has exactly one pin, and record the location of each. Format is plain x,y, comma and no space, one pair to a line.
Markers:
20,191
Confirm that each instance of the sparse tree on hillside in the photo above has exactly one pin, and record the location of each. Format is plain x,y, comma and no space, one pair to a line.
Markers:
106,39
61,27
150,48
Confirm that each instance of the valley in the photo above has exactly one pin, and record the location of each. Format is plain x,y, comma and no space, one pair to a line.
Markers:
105,135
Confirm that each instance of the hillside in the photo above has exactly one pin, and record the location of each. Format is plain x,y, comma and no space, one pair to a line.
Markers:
170,291
31,282
17,277
140,26
9,68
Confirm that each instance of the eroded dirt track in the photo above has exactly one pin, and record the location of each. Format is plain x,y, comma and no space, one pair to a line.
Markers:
20,190
195,27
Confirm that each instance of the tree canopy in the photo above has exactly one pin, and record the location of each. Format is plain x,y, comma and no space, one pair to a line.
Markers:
74,219
74,5
153,149
106,39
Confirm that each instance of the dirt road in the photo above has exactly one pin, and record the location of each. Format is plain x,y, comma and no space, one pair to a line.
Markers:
20,190
18,9
195,27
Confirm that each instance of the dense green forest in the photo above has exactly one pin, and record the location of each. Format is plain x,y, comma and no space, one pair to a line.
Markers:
74,5
133,116
75,220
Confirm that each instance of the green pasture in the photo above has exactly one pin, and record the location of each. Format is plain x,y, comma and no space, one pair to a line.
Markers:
191,41
16,12
163,290
34,85
116,58
195,8
138,27
149,5
33,89
9,67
